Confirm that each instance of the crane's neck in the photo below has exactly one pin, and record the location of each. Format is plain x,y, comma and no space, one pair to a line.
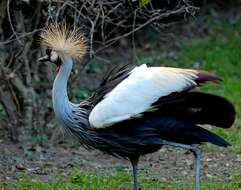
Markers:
61,104
73,117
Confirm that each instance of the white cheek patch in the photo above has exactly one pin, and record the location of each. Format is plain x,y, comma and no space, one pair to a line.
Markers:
53,56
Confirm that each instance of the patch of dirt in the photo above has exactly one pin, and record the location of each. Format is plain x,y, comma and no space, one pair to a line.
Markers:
168,163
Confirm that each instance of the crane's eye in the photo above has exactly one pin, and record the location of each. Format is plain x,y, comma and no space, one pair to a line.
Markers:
48,51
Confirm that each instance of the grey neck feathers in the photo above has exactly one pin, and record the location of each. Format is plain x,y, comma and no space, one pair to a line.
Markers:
66,112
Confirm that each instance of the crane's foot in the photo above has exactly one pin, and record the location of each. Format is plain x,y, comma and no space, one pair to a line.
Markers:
138,188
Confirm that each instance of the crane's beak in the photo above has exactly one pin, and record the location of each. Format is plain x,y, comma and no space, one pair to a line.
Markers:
43,59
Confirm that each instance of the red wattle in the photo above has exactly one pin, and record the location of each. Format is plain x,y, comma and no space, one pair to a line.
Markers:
58,67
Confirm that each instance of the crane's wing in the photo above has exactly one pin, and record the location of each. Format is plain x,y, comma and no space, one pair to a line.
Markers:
111,80
140,89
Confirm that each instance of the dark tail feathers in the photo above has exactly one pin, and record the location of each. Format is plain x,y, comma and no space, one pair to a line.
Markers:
211,109
207,136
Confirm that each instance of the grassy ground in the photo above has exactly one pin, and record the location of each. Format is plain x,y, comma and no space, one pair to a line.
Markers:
77,180
218,52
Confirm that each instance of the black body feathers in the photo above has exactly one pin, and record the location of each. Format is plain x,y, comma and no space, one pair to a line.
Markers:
147,135
174,118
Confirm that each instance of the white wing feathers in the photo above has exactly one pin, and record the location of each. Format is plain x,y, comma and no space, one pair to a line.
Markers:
138,92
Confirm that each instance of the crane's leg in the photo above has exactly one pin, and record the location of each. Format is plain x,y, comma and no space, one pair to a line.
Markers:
134,163
197,154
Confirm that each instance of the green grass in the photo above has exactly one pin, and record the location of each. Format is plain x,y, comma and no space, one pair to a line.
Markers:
220,53
79,180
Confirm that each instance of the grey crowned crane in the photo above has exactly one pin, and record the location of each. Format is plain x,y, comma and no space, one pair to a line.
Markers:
136,110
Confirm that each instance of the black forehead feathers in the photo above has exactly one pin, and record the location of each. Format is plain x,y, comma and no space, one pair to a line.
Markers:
48,51
59,61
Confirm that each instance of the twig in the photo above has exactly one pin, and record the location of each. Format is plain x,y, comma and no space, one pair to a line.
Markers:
20,37
92,30
133,38
10,22
113,40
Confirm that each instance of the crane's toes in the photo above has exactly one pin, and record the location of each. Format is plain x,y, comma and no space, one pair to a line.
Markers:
137,188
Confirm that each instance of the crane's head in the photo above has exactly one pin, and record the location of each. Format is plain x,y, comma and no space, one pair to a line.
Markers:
62,42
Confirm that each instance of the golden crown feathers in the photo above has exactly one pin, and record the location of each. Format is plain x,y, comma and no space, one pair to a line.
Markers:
64,41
